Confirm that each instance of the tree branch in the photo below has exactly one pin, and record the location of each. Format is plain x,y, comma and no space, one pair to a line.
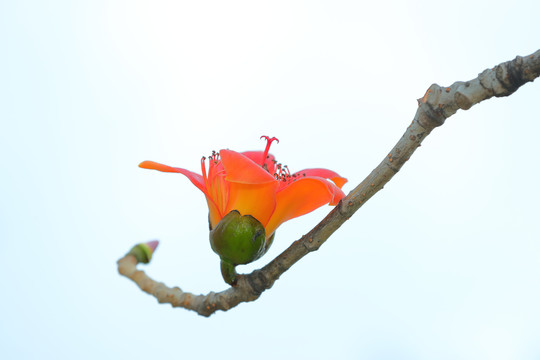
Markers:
438,104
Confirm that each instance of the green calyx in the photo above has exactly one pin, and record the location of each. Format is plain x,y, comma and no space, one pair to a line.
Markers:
238,240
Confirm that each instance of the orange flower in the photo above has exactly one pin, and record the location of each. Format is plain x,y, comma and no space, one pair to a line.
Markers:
253,183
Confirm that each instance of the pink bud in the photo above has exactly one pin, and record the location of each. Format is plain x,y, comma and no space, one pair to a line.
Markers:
153,245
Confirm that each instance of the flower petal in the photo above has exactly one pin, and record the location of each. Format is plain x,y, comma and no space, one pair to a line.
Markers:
241,169
301,197
214,214
324,173
256,156
196,179
257,200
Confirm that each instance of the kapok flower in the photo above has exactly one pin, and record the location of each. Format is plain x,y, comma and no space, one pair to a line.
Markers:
253,184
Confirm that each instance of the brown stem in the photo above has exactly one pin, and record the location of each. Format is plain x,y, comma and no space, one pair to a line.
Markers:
438,104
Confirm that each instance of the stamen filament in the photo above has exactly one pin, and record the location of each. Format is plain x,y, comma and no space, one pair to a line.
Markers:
203,168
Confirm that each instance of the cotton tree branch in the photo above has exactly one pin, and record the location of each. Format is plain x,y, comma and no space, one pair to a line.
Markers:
438,104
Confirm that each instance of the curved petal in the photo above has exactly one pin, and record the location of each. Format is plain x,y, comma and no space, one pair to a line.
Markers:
256,157
301,197
196,179
257,200
214,214
241,169
324,173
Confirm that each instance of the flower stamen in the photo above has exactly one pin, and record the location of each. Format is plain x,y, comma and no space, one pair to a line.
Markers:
283,173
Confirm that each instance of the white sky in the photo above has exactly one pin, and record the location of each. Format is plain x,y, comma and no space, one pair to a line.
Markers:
442,264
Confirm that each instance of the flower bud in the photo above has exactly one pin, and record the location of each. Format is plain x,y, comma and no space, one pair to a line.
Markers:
143,251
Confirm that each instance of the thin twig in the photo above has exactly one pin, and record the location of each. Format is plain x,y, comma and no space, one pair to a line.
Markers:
438,104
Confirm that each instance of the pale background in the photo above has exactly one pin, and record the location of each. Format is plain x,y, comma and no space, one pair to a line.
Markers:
444,263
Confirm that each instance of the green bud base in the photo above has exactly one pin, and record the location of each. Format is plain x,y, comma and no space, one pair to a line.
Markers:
228,271
238,239
142,253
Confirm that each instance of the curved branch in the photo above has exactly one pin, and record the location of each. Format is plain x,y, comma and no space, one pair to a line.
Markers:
438,104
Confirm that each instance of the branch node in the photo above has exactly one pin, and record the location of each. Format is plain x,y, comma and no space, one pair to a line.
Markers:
258,282
430,115
394,169
462,101
511,75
